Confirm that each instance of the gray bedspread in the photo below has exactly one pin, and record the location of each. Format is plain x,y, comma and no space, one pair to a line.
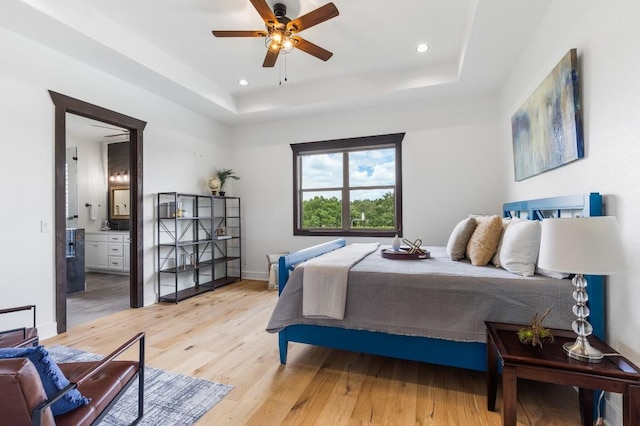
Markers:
434,297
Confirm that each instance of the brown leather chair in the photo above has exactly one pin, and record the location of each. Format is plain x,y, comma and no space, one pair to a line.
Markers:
22,336
24,401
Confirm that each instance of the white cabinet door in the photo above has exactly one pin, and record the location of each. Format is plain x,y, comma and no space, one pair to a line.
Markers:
115,249
115,263
116,238
97,254
107,251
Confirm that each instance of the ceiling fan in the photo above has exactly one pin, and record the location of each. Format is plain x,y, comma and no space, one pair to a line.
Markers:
125,132
281,32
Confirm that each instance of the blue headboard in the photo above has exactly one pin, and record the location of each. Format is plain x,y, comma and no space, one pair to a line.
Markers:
574,205
569,206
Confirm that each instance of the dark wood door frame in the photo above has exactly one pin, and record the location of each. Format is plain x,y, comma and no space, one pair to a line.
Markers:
63,105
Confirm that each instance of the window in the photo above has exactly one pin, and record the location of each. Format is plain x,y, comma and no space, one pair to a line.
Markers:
348,186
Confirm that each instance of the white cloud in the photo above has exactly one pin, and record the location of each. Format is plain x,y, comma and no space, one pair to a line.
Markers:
321,171
372,167
366,168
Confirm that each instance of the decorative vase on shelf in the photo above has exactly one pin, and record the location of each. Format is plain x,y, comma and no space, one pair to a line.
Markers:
214,184
395,244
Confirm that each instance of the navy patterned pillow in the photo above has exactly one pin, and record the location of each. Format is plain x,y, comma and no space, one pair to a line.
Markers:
53,380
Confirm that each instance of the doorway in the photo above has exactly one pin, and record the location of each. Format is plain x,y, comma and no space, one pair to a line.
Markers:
98,240
63,105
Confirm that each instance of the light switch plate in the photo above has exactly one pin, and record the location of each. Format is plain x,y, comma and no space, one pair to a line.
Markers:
45,226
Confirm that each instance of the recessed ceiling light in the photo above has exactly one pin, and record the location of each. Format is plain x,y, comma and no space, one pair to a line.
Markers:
243,82
422,48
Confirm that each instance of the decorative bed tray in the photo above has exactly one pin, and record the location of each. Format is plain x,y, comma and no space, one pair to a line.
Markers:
403,254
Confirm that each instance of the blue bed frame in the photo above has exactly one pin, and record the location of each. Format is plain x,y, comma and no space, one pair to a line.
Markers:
470,355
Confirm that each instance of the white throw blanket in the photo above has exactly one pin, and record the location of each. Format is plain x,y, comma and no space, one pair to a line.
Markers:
324,286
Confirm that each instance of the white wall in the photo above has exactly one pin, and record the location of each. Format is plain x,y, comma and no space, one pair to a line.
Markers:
604,34
457,154
450,169
180,150
91,180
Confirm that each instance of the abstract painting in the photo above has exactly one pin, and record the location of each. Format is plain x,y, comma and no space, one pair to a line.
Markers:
547,129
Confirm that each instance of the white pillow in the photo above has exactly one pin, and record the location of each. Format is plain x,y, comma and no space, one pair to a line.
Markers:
520,247
496,257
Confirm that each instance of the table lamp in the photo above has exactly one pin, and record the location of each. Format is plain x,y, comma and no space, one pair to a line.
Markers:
582,246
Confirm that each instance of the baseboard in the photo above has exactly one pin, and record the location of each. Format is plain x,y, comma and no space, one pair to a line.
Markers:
47,330
150,298
255,275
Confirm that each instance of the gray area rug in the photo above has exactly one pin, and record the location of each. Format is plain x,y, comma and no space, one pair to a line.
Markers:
169,398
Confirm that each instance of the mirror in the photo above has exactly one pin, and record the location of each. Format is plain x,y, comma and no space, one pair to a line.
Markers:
118,162
119,202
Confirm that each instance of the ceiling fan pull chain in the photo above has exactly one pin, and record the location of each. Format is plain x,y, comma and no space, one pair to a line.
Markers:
280,71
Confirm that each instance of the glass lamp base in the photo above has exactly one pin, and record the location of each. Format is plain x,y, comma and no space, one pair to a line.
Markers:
583,351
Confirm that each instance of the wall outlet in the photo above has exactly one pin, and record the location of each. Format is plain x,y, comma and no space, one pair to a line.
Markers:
45,226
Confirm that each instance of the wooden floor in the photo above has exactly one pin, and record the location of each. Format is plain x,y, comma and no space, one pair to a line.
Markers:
221,336
104,295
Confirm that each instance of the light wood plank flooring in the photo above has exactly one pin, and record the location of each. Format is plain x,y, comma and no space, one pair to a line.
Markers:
220,336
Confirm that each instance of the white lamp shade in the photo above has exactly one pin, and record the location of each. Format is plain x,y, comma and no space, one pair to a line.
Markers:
586,245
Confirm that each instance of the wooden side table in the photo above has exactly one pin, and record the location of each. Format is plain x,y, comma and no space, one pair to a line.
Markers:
551,365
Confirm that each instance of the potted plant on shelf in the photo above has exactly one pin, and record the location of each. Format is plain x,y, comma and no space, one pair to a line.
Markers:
223,175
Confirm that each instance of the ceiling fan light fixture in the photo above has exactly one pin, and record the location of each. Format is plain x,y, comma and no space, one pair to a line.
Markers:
287,44
281,35
280,41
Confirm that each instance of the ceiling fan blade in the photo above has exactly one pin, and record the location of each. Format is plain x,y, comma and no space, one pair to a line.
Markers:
265,11
109,127
312,49
314,17
240,33
270,59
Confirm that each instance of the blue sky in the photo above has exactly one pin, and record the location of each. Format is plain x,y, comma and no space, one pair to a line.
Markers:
375,167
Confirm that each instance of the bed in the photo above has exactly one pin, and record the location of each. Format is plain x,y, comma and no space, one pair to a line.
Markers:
374,321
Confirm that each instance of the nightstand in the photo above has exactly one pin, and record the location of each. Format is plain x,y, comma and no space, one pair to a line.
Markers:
551,364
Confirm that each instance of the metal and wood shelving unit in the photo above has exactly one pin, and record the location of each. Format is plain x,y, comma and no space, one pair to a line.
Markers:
198,244
227,241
